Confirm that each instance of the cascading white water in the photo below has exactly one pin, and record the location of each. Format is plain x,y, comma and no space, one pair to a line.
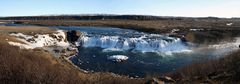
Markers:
143,43
168,51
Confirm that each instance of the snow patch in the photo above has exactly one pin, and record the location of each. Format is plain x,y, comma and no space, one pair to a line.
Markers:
117,58
196,29
22,46
38,40
175,30
229,24
20,35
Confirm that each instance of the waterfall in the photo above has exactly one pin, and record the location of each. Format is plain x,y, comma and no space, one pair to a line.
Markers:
142,43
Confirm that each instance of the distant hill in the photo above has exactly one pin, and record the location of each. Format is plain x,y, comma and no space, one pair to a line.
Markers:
109,17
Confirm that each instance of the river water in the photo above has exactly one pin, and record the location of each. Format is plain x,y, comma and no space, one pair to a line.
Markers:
147,53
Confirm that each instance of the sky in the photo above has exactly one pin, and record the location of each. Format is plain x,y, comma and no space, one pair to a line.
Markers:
185,8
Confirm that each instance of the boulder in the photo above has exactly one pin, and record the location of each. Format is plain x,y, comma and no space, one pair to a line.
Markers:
73,35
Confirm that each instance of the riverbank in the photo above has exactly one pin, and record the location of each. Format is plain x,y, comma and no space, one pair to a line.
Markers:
211,30
153,26
40,66
205,32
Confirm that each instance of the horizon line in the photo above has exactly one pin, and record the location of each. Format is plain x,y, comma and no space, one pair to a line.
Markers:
115,15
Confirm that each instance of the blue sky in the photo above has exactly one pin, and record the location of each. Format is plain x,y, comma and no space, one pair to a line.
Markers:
188,8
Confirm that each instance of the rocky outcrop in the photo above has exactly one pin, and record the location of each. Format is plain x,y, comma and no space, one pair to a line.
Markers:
73,35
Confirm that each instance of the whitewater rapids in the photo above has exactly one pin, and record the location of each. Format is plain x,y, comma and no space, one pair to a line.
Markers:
139,42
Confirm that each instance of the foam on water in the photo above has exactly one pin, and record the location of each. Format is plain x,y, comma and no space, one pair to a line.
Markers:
161,53
143,43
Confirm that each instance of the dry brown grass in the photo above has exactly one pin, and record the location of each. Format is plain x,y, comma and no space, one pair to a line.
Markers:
39,67
146,25
27,29
4,37
223,70
28,67
210,37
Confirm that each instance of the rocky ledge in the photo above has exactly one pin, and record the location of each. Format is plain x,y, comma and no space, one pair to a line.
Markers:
59,43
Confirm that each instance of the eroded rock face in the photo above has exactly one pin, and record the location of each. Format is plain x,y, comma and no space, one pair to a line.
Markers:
73,35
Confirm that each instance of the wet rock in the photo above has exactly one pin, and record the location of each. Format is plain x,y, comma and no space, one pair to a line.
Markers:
31,40
71,48
53,36
56,51
63,51
17,22
73,35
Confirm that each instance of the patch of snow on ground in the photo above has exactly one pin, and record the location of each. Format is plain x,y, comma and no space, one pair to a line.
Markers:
175,30
61,43
229,24
118,58
196,29
38,40
20,35
22,46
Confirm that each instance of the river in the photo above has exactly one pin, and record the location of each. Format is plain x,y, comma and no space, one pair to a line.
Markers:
147,53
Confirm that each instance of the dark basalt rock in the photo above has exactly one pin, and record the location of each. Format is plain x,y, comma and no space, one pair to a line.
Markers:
73,35
17,22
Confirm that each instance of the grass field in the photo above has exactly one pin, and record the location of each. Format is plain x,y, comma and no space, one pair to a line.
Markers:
144,25
26,29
